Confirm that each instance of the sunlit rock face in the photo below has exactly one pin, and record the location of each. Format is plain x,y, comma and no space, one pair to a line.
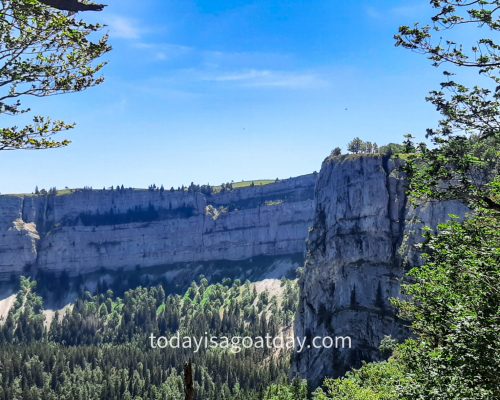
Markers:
89,231
361,243
18,239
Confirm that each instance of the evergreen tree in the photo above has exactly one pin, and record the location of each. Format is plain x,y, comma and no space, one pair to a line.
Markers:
356,146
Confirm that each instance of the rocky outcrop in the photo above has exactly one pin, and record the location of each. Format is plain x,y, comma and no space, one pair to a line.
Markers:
93,230
359,248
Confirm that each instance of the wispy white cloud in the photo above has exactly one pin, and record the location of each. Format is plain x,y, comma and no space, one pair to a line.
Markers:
373,12
272,79
245,59
410,11
122,27
187,64
166,51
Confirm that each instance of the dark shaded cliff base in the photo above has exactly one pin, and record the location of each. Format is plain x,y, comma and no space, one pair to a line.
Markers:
60,289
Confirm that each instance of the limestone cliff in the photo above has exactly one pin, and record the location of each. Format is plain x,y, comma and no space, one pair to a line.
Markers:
94,230
361,243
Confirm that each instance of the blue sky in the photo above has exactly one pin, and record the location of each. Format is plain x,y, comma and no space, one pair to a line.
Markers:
213,91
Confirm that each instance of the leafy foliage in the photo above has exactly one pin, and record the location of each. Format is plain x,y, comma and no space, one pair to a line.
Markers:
387,346
374,381
336,152
453,300
464,159
43,52
298,390
358,146
454,309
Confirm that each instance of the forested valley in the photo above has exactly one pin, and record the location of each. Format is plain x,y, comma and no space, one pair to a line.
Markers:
100,348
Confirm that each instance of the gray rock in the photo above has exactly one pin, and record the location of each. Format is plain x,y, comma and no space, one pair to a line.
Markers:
87,231
361,243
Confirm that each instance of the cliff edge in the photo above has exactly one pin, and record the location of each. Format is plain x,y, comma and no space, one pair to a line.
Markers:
101,231
360,245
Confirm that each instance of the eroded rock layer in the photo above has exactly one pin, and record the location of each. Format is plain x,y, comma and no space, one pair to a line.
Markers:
94,230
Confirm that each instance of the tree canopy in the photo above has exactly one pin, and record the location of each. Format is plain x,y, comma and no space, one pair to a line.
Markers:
462,161
454,308
45,50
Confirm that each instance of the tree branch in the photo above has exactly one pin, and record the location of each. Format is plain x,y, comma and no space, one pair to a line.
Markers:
72,5
492,205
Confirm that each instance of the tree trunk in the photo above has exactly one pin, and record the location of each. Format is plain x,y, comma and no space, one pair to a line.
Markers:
188,381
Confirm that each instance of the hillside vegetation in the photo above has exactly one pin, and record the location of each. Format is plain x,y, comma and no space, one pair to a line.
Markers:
101,347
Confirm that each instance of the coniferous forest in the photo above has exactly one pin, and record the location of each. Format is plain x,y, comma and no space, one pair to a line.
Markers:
100,349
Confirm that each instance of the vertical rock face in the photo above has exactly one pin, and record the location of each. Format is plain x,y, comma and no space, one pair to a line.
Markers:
18,239
358,250
94,230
